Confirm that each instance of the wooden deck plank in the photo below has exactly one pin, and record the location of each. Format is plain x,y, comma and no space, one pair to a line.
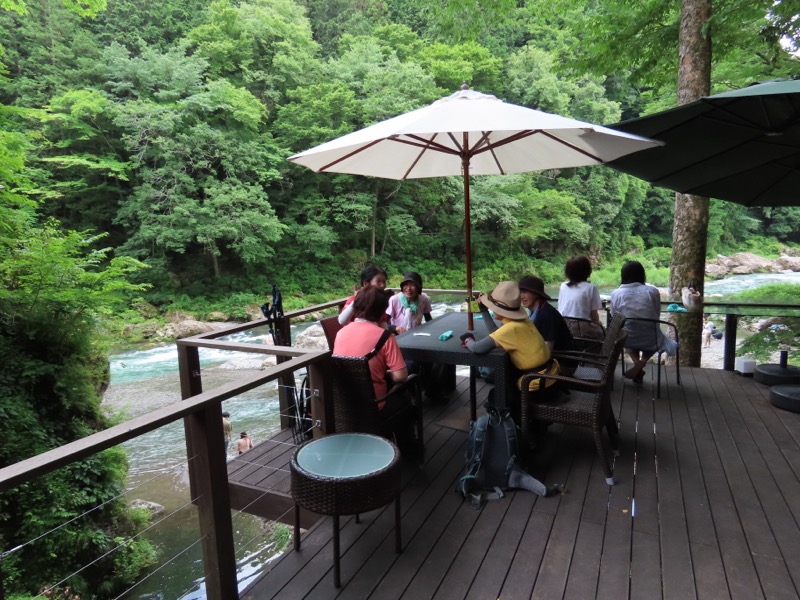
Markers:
677,462
730,531
717,474
645,581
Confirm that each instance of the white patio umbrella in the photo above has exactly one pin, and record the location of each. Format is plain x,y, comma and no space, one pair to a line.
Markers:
469,133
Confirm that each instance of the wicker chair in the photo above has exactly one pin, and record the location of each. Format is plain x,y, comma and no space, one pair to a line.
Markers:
574,404
330,326
586,360
586,334
355,408
655,325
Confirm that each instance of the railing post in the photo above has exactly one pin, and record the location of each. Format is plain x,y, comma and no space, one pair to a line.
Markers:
286,383
208,482
729,356
210,475
319,380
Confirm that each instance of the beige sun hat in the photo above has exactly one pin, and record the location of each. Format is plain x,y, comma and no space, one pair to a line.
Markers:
504,301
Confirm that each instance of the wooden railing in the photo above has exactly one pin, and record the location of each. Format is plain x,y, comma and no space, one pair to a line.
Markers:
202,415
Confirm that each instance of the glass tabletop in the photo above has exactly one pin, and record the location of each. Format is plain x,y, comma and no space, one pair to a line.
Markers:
346,455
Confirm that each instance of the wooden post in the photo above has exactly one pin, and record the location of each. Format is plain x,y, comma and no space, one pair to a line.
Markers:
286,383
319,384
210,482
191,385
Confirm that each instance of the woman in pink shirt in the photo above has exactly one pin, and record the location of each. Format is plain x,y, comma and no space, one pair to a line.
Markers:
360,337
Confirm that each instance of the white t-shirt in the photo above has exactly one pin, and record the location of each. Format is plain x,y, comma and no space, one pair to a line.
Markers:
578,300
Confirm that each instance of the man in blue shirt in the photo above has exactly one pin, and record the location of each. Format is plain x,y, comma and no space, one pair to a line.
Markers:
545,317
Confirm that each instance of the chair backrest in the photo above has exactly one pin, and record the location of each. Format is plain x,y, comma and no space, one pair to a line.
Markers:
354,406
330,326
586,334
612,332
644,334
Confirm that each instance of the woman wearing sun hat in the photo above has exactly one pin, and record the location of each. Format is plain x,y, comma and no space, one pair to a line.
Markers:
517,335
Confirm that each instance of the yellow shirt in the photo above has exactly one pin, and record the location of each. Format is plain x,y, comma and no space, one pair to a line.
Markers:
525,346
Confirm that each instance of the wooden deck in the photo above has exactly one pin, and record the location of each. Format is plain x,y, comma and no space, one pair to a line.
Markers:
705,506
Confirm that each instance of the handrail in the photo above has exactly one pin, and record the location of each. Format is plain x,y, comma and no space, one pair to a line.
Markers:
44,463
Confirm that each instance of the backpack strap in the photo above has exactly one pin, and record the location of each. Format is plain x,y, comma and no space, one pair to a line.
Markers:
381,341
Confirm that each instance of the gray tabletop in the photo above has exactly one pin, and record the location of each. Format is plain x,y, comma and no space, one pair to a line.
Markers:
417,346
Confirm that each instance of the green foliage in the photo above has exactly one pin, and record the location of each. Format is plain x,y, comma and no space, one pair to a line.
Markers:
777,293
783,334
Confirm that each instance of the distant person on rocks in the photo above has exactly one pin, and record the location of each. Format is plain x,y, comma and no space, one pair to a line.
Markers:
371,276
708,331
227,429
244,444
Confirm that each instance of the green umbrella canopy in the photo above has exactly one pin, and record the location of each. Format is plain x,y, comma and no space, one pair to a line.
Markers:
742,146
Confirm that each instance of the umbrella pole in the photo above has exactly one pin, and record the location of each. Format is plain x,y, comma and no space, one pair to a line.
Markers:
467,228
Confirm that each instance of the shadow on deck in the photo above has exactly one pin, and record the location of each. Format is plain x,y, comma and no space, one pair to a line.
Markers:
705,506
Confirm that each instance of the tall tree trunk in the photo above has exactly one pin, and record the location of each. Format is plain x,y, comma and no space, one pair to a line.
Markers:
690,232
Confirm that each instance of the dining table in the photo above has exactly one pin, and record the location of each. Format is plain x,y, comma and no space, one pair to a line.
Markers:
424,343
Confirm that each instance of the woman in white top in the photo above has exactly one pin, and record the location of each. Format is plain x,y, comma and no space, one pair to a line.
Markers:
577,297
633,298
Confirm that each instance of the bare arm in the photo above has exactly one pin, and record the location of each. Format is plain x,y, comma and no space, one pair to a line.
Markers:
399,376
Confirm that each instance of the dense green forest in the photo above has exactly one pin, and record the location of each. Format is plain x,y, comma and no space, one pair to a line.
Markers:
143,151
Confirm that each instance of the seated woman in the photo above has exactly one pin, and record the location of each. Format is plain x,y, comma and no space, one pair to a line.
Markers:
577,297
548,321
409,306
407,309
517,336
634,299
372,275
362,336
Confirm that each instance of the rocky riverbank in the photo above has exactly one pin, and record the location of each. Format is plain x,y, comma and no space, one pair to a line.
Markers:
745,263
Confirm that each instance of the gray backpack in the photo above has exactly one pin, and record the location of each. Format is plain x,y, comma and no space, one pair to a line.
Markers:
491,458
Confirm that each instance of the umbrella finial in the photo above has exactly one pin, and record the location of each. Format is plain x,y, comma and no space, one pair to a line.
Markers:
465,86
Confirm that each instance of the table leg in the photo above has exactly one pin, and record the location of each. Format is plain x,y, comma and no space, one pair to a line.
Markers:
398,543
336,579
296,526
473,404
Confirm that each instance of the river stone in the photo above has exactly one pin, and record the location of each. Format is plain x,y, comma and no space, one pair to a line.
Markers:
153,507
313,338
788,263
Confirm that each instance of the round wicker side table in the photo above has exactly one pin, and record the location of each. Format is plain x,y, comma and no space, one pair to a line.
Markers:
345,474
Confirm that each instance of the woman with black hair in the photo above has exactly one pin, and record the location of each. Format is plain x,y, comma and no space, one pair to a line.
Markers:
372,275
577,297
635,299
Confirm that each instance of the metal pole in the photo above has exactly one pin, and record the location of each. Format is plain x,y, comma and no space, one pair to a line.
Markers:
729,356
467,227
